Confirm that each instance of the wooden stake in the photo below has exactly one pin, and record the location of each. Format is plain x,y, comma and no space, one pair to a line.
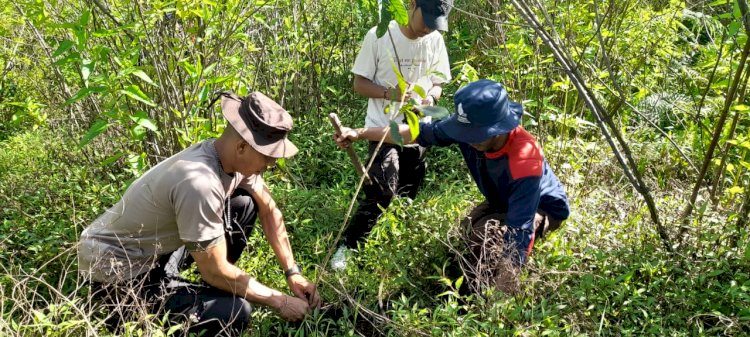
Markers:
350,150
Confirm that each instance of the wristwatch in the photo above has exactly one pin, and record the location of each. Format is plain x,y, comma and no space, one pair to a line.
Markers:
293,270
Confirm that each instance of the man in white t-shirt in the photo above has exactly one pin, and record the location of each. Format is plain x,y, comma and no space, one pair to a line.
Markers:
199,206
418,51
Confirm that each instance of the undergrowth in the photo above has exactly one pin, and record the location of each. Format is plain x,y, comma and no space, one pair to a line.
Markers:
604,273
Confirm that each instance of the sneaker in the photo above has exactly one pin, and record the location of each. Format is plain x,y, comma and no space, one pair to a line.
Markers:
338,261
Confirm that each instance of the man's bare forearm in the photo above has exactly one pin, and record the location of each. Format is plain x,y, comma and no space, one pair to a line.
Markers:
221,274
375,134
369,89
272,223
276,234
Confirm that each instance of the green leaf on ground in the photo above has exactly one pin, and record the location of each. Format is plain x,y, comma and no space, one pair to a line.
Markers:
113,158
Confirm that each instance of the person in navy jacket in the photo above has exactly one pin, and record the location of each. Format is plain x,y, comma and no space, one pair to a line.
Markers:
505,161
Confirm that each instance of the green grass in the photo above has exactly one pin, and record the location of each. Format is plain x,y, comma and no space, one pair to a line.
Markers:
604,273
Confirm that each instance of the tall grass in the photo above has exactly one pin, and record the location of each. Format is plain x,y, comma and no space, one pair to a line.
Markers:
603,273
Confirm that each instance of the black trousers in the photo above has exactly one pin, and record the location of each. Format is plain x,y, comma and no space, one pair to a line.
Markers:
202,308
396,171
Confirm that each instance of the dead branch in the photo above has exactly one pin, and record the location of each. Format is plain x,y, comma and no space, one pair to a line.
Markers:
609,130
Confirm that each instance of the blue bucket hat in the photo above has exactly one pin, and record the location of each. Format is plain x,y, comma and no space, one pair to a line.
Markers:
483,111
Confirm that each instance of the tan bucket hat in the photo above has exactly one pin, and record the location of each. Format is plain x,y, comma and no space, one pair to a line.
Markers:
263,123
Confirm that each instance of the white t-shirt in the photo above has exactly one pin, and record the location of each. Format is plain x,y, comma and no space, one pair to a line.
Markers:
419,59
178,202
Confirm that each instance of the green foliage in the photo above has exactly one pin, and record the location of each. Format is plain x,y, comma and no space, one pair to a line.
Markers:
98,97
602,273
389,10
395,134
20,110
145,81
436,112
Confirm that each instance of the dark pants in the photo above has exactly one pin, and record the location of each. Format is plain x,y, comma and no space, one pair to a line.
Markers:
490,260
396,171
201,307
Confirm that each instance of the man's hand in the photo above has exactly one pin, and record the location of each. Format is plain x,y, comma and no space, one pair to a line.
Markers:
395,94
346,137
304,289
429,101
292,309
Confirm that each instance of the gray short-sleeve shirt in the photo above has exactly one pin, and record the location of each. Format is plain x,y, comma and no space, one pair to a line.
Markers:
178,202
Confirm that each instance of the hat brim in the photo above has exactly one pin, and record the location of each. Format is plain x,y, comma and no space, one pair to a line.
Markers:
435,22
230,108
466,133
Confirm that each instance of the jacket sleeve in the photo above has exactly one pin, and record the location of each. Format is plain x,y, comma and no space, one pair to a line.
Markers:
431,134
522,206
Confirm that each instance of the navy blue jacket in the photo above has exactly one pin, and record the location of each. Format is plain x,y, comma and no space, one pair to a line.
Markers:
516,180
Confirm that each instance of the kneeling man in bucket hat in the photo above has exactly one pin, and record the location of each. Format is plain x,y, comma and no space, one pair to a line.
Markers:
523,198
199,206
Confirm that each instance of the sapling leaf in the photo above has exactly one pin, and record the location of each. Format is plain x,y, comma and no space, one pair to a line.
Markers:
395,135
385,20
420,91
401,82
398,11
413,120
437,112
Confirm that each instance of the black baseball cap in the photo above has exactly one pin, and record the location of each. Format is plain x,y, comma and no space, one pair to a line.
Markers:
435,13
